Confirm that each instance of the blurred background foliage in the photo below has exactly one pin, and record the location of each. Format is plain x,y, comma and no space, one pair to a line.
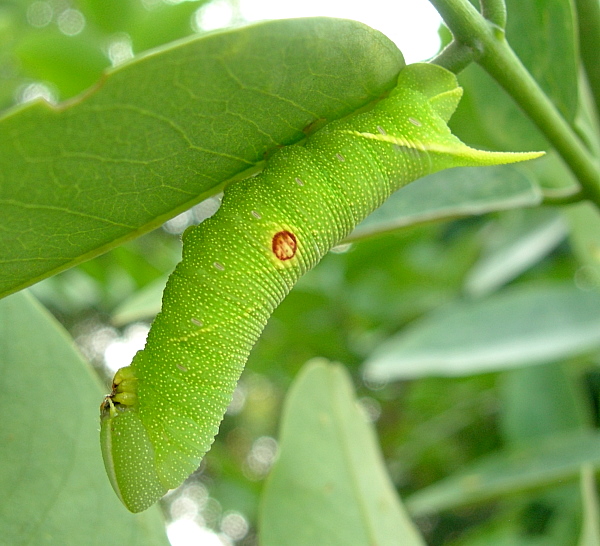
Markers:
430,427
64,45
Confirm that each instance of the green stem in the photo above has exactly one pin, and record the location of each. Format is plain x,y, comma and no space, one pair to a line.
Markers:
505,67
588,16
498,59
494,11
462,19
454,57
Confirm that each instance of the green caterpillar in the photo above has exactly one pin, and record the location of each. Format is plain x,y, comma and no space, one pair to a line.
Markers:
165,408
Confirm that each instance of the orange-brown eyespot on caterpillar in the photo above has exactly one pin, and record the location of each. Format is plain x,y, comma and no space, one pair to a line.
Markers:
284,245
237,266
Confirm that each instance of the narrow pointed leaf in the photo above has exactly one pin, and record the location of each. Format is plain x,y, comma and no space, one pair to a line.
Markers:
519,242
517,327
554,460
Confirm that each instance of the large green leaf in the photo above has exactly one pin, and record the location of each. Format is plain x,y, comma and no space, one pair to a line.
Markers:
544,35
161,132
517,327
329,484
52,481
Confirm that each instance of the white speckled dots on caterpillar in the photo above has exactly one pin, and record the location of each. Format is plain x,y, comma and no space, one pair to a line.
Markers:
165,408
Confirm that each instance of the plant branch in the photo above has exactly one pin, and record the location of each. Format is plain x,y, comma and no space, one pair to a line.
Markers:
454,57
588,16
495,55
494,11
505,67
463,20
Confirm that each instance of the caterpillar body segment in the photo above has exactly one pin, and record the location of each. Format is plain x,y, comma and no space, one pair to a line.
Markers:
238,265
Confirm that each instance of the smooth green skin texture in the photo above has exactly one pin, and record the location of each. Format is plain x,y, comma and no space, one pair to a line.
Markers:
157,427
